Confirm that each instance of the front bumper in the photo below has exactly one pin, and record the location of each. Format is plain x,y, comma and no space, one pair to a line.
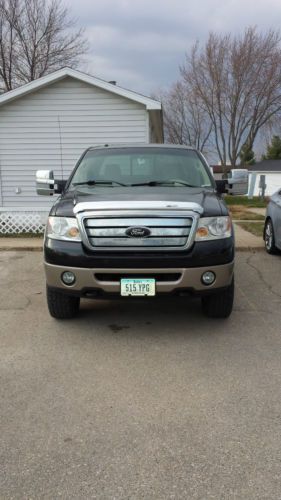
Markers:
201,254
90,282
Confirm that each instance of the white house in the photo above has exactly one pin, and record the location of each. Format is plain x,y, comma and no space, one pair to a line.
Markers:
271,169
47,123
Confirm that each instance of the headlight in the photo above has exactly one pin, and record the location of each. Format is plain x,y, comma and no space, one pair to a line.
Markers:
213,228
63,228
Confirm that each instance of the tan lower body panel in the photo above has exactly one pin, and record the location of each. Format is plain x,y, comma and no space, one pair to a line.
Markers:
186,277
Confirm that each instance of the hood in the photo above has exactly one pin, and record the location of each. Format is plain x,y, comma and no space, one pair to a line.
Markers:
156,197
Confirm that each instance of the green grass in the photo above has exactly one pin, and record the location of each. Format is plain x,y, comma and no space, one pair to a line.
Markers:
255,228
22,235
255,202
241,213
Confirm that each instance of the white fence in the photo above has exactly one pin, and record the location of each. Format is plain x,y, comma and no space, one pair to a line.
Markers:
17,220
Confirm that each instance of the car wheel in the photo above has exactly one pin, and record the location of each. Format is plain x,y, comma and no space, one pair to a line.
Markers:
62,306
219,305
269,239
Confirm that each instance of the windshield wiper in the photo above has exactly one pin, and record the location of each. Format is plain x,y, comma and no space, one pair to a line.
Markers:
96,183
161,183
149,183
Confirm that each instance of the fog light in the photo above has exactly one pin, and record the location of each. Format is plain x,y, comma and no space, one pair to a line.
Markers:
68,278
208,278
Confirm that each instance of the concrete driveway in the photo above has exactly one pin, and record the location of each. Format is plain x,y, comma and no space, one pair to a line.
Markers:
140,400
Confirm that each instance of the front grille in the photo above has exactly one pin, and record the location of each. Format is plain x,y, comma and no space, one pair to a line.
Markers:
161,232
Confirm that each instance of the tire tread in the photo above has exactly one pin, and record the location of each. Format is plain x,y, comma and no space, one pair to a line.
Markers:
60,305
219,305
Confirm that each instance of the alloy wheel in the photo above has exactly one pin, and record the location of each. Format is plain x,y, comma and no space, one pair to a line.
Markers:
268,235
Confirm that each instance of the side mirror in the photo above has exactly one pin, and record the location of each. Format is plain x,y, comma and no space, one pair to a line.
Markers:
45,182
238,180
221,186
46,185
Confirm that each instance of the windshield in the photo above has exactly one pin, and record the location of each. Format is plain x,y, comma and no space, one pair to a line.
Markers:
142,166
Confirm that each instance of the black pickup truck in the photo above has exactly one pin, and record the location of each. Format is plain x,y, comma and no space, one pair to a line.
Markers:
139,220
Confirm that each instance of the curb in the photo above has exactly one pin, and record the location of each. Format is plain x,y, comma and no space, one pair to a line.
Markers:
9,248
15,244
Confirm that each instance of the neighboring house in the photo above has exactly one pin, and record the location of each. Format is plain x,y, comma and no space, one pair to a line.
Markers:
272,171
270,168
219,171
47,123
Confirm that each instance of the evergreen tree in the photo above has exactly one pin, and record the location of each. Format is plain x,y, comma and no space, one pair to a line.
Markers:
273,150
247,155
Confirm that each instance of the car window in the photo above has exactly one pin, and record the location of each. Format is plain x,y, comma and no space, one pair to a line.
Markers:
133,165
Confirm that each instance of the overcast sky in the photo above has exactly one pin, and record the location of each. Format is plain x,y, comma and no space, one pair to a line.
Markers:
141,43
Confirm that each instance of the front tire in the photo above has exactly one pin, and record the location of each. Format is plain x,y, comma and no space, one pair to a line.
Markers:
219,305
60,305
269,239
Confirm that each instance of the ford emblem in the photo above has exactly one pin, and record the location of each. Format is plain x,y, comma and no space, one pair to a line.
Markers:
138,232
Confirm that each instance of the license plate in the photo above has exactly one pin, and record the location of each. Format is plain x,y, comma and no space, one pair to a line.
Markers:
138,287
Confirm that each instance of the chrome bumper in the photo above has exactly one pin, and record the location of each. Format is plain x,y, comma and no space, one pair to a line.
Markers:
187,278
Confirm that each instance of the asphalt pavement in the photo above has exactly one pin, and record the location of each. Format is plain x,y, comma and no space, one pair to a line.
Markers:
140,399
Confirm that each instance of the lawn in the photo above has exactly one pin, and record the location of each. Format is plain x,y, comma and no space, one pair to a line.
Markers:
251,222
255,202
239,212
255,228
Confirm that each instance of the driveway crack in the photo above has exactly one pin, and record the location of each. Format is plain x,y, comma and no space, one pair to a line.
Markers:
260,275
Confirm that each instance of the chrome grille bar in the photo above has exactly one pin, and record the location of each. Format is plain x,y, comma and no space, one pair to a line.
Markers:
118,232
138,221
137,242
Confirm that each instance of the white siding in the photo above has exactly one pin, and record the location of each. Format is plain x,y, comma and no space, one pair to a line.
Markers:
272,180
50,128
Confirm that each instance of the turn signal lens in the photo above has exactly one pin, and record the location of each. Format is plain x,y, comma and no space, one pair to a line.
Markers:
73,232
202,232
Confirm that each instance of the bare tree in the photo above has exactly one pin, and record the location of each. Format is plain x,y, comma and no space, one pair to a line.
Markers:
185,121
36,37
8,49
237,81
